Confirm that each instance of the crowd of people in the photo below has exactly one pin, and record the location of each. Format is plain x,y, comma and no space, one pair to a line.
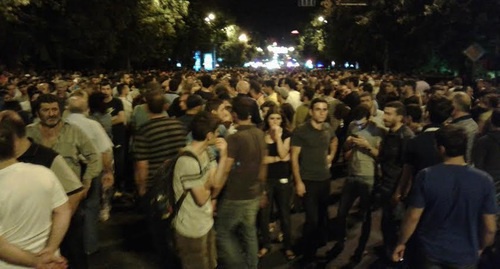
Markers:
259,142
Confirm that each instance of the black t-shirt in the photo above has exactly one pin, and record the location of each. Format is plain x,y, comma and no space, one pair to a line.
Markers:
205,95
422,151
391,155
280,169
411,100
186,121
114,107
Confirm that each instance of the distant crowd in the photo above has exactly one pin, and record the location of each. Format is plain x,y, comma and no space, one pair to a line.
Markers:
249,146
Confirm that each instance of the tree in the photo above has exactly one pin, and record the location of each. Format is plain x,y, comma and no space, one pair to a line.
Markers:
90,34
412,35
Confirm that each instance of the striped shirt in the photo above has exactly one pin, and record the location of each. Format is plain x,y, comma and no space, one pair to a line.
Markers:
158,140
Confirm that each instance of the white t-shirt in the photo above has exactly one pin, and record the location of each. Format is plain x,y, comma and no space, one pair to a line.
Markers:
191,220
28,195
294,99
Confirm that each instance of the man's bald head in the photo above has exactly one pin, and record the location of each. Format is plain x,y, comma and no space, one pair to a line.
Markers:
461,101
243,87
77,104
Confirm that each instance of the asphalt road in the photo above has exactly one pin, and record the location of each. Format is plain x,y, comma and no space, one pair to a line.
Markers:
124,243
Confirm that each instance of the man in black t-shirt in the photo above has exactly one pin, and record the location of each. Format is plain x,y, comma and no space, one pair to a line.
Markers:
114,107
422,152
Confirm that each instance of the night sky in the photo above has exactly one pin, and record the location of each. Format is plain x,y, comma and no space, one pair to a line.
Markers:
271,19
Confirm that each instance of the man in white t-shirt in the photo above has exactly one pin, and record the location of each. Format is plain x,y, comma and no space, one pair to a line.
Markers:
34,211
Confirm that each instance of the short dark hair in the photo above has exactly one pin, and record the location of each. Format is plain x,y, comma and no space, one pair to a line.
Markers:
120,87
255,86
317,100
291,83
400,107
206,81
453,139
242,106
173,84
7,133
269,83
48,98
354,80
96,103
105,82
439,108
360,112
367,87
212,104
328,90
203,123
155,101
309,93
410,82
414,111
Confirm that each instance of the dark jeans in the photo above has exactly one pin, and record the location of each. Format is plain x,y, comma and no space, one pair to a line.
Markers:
161,236
354,187
391,220
316,222
281,193
119,159
72,247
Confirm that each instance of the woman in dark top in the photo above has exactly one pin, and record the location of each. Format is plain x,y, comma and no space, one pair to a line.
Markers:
278,186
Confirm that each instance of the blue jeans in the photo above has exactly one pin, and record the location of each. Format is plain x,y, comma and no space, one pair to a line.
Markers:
237,243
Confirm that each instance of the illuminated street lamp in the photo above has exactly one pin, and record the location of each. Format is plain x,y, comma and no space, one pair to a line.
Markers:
322,19
243,38
210,17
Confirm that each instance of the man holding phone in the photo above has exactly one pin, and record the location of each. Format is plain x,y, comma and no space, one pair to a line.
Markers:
360,150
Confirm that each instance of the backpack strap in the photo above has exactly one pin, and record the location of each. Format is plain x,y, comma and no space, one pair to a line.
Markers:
178,203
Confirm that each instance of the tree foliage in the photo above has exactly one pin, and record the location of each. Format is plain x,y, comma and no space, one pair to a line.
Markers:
409,35
91,33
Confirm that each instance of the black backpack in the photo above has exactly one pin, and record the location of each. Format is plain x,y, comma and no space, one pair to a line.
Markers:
161,196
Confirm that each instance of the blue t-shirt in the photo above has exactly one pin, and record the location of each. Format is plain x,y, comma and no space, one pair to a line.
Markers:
454,199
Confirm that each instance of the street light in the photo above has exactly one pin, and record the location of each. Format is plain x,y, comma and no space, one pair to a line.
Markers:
243,38
322,19
210,17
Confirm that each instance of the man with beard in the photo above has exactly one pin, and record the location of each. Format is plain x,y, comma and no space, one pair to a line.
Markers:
390,157
314,145
114,107
71,143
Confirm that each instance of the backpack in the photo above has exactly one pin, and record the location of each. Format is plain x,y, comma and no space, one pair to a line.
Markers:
160,198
